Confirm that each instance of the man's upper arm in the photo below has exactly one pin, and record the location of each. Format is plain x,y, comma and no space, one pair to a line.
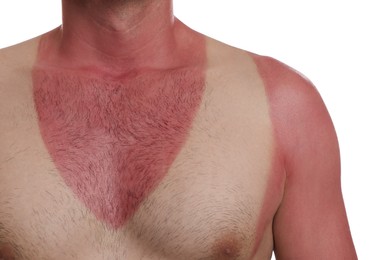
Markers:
311,222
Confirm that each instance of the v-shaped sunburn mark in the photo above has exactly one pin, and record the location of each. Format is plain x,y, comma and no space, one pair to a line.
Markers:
114,141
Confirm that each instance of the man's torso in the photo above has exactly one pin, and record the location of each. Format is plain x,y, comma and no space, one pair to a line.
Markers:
206,191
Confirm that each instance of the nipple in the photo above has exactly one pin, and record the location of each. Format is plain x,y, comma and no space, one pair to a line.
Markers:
6,252
227,247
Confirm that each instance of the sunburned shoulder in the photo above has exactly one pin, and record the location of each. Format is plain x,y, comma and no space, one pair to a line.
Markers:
276,75
280,77
298,112
291,95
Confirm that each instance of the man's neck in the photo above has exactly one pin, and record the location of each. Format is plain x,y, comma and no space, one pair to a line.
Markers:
111,36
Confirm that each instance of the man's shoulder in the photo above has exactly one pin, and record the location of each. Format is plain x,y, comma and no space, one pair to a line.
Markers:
17,58
15,75
300,117
287,89
275,73
281,78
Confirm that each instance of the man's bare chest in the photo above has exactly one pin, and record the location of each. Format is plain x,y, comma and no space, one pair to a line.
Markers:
126,168
113,141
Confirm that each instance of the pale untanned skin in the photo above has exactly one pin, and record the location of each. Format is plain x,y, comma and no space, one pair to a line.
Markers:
127,135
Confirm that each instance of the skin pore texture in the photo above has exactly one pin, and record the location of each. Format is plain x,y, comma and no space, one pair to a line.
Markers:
112,118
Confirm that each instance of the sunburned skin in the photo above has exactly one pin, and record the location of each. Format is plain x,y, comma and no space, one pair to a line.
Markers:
113,134
119,93
113,141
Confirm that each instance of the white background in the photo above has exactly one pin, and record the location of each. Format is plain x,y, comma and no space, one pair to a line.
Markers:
343,46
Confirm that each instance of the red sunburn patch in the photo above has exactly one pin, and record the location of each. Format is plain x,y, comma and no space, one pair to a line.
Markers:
113,141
